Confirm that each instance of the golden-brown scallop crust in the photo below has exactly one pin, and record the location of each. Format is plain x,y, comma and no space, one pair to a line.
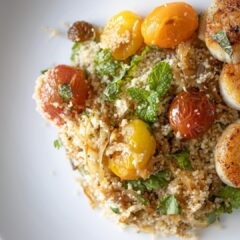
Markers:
224,15
227,155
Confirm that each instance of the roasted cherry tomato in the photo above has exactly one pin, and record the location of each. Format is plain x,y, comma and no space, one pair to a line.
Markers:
141,145
169,25
122,35
191,114
62,91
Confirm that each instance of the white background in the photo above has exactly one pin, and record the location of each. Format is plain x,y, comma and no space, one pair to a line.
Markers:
39,197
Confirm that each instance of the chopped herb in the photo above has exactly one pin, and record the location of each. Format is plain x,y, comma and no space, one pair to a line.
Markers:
182,158
222,39
57,144
212,217
75,51
65,91
147,108
154,182
230,194
44,71
169,206
86,113
115,210
142,200
160,78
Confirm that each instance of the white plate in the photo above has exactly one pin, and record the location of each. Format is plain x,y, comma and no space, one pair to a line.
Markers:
39,197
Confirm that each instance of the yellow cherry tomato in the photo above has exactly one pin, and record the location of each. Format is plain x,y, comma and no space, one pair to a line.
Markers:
122,35
170,24
141,146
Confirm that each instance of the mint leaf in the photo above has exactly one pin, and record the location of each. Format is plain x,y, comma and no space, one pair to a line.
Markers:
142,200
183,159
105,64
147,108
154,182
65,91
75,51
57,144
115,210
43,71
231,194
222,39
138,94
160,78
169,206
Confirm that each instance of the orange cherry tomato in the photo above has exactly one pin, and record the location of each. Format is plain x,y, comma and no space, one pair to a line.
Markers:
63,92
191,114
170,24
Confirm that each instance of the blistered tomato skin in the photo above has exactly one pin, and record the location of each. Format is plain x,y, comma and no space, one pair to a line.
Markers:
53,105
141,147
122,35
170,24
191,114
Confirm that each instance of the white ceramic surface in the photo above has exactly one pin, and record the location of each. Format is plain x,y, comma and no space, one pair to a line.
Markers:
39,198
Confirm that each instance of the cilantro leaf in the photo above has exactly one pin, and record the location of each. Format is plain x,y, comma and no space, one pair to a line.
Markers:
169,206
231,194
148,103
182,158
65,91
115,210
222,39
57,144
75,50
160,78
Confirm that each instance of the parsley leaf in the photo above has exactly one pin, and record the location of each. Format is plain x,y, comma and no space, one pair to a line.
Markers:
231,194
169,206
57,144
75,50
182,158
160,78
222,39
65,91
115,210
148,103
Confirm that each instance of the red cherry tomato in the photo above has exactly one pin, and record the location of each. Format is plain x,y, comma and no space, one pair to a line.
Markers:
63,92
191,114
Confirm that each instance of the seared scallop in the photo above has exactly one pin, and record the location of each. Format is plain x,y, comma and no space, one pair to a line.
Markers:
229,84
227,155
222,30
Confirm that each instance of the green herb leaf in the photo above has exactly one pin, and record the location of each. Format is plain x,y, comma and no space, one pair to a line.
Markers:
57,144
142,200
147,108
75,51
222,39
65,91
214,215
182,158
169,206
115,210
231,194
160,78
154,182
44,71
105,64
